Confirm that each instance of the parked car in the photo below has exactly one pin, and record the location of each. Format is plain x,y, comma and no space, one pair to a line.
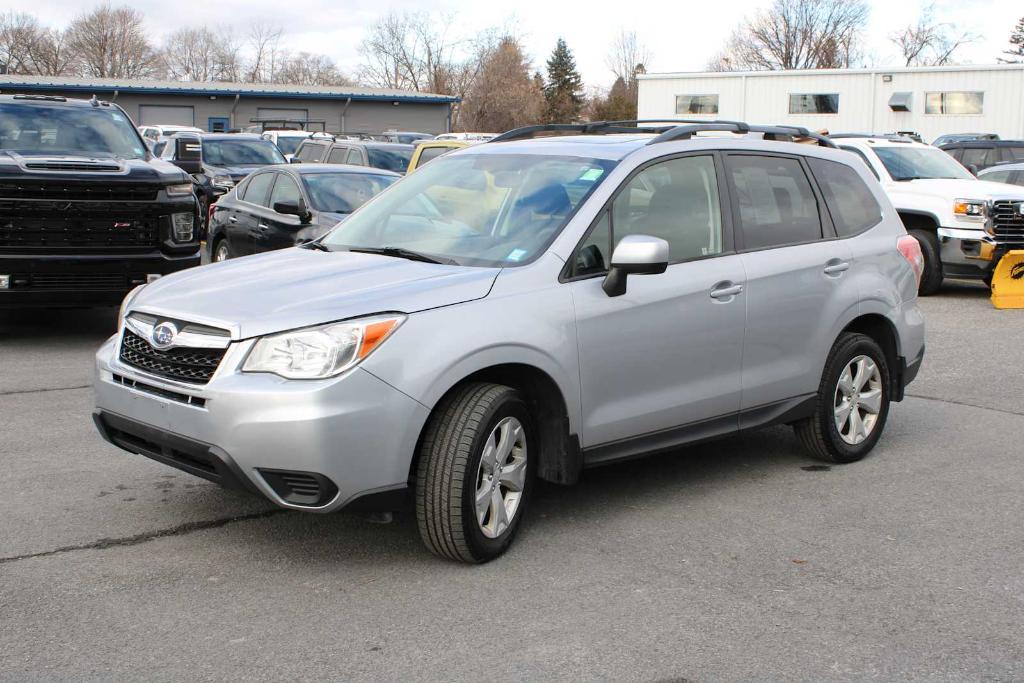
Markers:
467,137
289,140
152,132
964,225
405,137
980,154
283,206
86,212
1011,173
631,294
227,158
963,137
428,151
386,155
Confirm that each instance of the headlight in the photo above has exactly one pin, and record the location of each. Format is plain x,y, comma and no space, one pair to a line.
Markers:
322,351
969,208
182,224
128,299
223,181
179,190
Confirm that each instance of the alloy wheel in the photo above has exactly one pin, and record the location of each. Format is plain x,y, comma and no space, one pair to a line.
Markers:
501,477
858,400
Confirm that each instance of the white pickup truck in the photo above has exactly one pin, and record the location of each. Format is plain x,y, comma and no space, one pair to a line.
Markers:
964,225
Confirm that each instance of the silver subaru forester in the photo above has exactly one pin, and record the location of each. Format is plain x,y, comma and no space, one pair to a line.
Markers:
524,309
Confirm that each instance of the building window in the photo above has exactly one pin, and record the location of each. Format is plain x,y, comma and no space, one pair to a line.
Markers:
954,103
801,103
696,104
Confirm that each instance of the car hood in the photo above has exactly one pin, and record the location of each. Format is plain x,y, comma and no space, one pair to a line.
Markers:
292,288
955,188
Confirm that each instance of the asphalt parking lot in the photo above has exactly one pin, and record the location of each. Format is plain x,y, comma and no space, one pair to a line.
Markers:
733,560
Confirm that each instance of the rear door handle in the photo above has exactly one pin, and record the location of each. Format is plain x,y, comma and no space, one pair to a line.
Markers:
232,219
263,227
725,290
836,267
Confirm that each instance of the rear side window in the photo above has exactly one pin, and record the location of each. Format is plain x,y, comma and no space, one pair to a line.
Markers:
996,176
310,152
258,187
354,157
337,155
850,202
1014,153
978,157
775,203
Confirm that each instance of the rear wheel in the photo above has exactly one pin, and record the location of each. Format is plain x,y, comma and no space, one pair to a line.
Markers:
473,479
931,277
852,403
221,251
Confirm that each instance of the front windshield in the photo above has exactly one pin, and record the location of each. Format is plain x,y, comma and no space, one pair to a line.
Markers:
477,209
390,158
68,131
241,153
343,192
288,144
913,163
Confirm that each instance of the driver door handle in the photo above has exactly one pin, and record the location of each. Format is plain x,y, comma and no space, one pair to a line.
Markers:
263,227
725,290
836,267
232,219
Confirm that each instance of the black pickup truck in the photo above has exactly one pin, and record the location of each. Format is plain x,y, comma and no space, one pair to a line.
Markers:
86,212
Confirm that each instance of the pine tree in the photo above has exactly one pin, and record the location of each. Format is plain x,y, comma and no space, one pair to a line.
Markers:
564,88
1016,53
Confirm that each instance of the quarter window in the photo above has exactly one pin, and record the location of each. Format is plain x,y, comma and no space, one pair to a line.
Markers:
996,176
954,103
850,202
803,103
696,104
976,156
863,158
775,201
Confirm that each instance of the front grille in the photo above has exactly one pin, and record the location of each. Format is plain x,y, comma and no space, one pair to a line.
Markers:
195,366
93,166
1008,223
197,401
66,191
77,281
53,225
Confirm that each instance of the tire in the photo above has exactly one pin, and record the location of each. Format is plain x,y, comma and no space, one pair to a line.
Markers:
220,246
450,473
820,434
931,278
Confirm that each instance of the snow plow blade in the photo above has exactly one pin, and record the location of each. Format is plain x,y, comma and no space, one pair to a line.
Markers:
1008,281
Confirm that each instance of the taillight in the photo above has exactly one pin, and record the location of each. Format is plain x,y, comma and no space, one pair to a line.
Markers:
911,250
209,212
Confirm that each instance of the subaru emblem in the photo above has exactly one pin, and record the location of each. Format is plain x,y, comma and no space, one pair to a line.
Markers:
164,334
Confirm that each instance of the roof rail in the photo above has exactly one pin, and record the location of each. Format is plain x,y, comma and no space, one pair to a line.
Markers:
45,98
885,136
671,129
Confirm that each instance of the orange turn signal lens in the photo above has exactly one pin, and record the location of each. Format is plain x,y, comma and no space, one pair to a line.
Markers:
375,333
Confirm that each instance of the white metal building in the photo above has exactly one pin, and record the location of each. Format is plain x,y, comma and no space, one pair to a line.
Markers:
929,100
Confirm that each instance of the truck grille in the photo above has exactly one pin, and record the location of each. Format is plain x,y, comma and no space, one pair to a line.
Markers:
1008,223
70,191
76,281
48,225
195,366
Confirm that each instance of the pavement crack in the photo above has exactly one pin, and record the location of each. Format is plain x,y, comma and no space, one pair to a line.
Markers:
965,404
104,543
41,391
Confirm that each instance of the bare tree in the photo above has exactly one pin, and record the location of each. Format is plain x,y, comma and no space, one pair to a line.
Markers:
264,41
504,95
627,59
929,42
797,34
193,54
20,34
306,68
53,56
111,43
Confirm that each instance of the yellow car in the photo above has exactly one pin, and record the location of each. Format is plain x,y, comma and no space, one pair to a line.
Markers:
432,149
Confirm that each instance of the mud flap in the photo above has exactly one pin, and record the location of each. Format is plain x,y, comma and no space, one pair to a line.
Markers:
1008,281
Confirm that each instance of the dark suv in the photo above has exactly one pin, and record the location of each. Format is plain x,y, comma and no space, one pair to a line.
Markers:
977,155
86,211
389,156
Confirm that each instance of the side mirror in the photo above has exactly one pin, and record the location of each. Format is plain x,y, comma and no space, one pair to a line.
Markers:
973,169
635,255
188,155
293,208
295,160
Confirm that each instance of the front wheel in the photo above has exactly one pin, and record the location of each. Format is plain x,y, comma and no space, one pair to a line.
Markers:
221,251
931,276
473,480
852,403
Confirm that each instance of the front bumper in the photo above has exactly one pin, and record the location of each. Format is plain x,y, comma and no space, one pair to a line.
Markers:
355,432
967,253
82,281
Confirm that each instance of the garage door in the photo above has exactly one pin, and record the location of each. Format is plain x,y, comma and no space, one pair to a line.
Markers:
152,114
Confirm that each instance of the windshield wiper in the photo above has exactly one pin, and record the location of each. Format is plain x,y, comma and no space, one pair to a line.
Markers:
315,245
910,177
399,252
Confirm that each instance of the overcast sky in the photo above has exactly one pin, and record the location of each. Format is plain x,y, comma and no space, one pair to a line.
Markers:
681,35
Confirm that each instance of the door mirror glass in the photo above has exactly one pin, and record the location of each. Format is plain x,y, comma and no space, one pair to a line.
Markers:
188,154
635,255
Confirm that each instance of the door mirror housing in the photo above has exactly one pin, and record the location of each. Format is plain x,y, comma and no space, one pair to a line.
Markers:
973,169
635,255
188,154
293,208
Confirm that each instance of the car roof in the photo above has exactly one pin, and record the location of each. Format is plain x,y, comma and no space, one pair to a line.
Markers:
985,143
881,141
312,169
51,100
612,147
375,144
